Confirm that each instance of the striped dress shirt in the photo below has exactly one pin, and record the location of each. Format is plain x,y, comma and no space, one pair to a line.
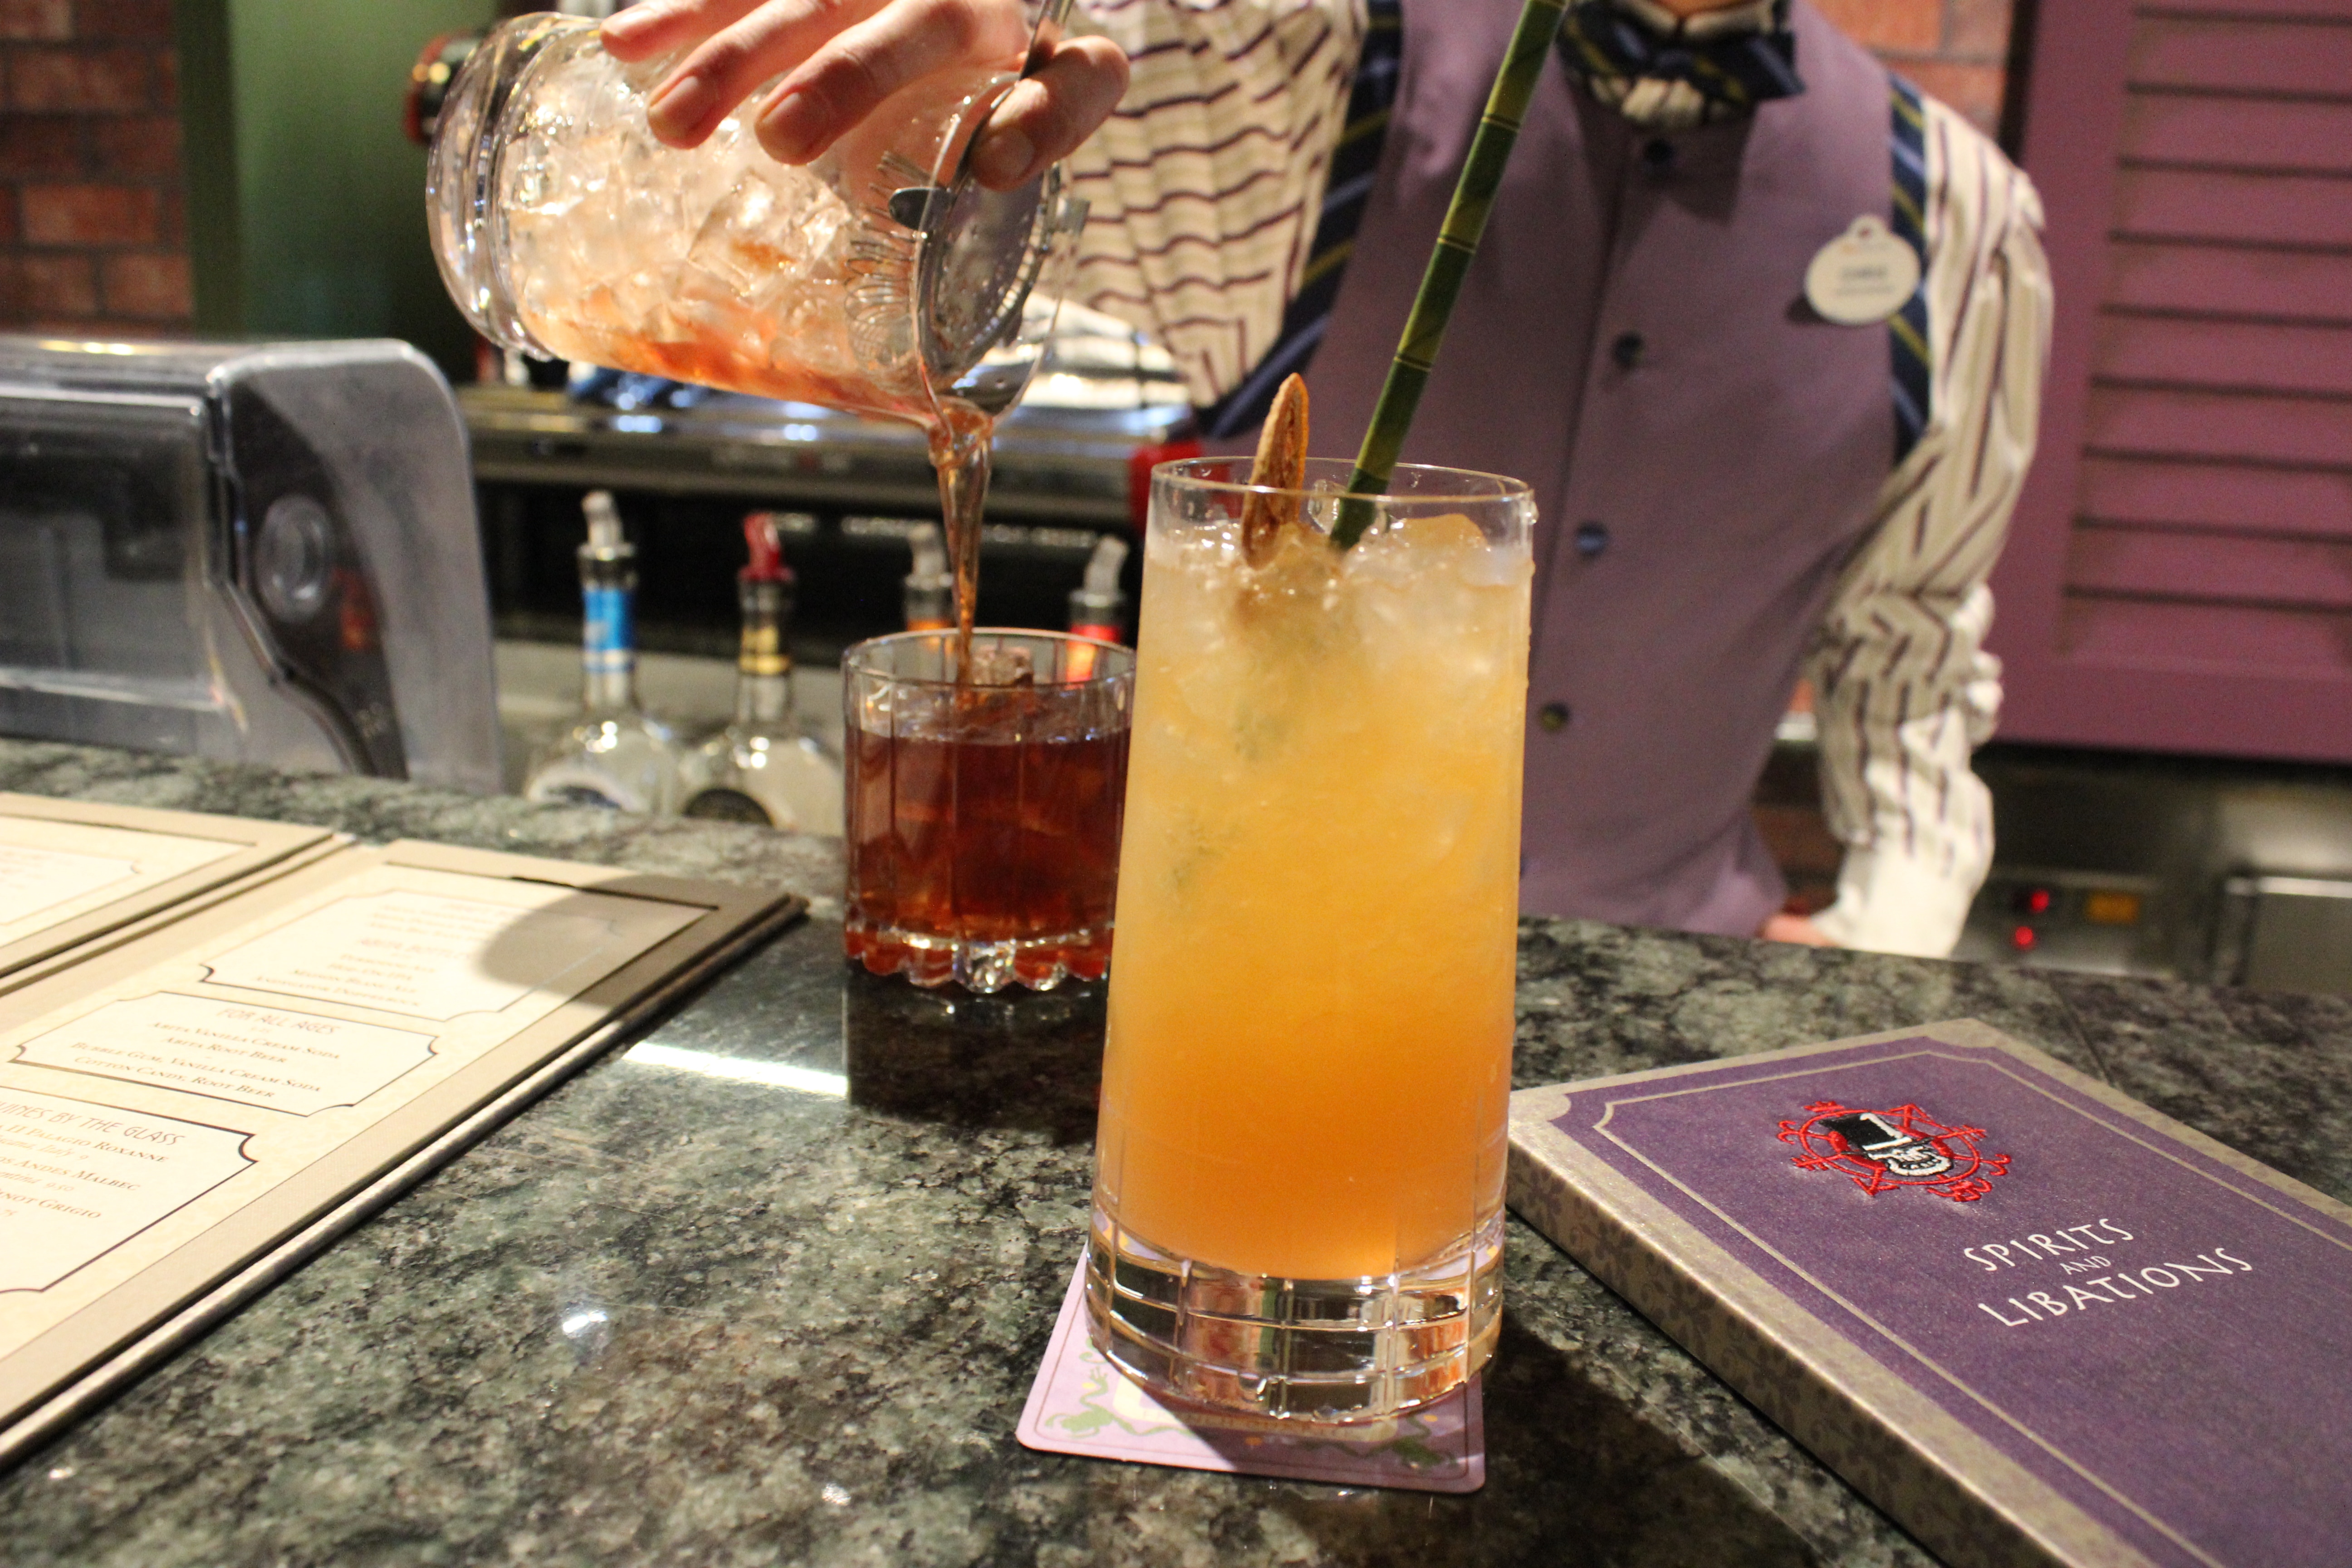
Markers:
1206,187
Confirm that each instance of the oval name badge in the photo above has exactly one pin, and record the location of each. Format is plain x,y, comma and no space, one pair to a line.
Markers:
1863,274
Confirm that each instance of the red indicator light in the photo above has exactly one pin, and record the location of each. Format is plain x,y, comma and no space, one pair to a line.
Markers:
2022,938
2037,903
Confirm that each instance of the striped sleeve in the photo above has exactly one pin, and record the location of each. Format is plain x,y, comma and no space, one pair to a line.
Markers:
1204,187
1904,689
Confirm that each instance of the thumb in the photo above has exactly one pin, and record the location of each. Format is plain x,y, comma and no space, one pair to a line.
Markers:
1046,115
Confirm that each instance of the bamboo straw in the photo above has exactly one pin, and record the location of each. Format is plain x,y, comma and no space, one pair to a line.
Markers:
1457,242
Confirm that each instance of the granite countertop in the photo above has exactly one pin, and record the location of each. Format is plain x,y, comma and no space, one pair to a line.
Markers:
668,1316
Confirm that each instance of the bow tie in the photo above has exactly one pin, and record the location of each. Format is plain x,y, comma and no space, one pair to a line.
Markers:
1670,72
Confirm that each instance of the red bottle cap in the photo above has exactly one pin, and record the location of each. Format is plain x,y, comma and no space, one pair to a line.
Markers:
767,550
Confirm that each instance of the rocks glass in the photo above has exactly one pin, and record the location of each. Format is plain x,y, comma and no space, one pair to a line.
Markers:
983,815
1298,1186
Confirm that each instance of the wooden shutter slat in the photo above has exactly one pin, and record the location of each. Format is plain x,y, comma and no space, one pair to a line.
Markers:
2206,10
2260,641
2211,568
2300,430
2259,209
2239,55
2272,357
2217,497
2239,133
2279,285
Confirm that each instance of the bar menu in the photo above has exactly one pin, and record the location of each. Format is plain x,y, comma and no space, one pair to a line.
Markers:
77,873
2033,1319
185,1117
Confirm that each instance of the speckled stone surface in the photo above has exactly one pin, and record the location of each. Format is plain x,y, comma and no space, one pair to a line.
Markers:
671,1317
380,810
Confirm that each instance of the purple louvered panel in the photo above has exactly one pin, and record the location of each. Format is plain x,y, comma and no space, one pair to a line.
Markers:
2180,573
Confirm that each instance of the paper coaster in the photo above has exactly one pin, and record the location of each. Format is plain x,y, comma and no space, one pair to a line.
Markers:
1082,1405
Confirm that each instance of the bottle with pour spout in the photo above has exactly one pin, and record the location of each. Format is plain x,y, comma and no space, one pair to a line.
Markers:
763,768
1098,606
616,754
927,595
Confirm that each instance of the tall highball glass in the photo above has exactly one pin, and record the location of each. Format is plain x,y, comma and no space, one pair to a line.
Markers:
1298,1187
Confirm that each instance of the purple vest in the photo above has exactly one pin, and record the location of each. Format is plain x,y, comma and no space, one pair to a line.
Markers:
1633,340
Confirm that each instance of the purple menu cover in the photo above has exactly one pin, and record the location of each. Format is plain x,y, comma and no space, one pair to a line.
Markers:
2034,1321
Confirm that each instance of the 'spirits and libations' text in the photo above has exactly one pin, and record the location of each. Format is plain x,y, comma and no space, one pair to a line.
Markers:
2079,1249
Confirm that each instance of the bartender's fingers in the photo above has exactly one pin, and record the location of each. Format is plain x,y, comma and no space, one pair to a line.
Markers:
653,27
1043,119
757,42
846,78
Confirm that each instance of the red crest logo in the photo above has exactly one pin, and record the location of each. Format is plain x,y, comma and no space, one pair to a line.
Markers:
1903,1147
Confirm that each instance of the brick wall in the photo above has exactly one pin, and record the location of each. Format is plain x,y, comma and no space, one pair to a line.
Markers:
90,224
1951,49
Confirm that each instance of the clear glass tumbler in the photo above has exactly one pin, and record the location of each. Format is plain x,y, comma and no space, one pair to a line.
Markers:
983,815
1299,1185
878,277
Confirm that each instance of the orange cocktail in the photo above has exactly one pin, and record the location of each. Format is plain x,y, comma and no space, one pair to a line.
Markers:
1306,1085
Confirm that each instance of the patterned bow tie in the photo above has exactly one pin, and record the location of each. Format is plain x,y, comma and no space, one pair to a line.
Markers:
1669,72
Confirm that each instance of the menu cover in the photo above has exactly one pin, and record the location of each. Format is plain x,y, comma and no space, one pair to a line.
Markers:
77,873
2033,1320
186,1118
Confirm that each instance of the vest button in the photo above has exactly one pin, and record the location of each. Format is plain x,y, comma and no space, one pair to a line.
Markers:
1660,155
1592,539
1553,716
1627,349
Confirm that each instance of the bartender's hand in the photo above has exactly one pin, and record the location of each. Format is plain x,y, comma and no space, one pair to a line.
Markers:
839,59
1798,929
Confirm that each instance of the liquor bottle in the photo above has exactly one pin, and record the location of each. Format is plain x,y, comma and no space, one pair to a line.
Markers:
616,754
930,597
763,768
1097,608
